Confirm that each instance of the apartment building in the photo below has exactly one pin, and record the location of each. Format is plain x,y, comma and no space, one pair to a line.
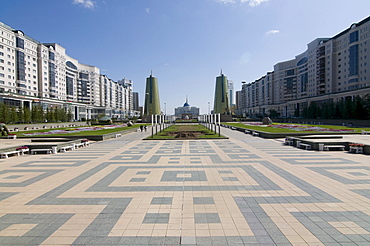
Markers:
34,73
330,69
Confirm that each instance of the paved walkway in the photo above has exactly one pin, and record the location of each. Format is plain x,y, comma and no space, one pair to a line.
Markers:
241,191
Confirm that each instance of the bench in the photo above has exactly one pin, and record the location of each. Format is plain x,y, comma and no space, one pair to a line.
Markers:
79,145
11,136
86,143
34,151
118,135
22,151
255,134
356,149
363,132
6,154
289,141
328,147
247,132
65,148
306,146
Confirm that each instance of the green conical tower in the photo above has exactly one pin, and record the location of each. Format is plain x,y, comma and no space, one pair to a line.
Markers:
151,104
221,103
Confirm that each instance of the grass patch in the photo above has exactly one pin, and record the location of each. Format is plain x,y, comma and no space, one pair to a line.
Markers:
81,133
283,130
199,131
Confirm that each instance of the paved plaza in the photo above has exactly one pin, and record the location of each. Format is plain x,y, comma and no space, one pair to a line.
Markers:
240,191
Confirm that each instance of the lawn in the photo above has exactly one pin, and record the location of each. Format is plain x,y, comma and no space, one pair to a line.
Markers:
294,128
200,131
76,131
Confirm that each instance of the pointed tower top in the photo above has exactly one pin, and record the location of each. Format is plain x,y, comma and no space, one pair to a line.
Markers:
221,72
186,104
151,73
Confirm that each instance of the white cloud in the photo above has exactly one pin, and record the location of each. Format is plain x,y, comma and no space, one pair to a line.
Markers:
147,10
252,3
89,4
226,1
270,32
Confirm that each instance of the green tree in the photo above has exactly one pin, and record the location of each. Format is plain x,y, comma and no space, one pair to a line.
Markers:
13,117
20,113
69,115
37,113
4,113
273,113
27,115
359,108
313,110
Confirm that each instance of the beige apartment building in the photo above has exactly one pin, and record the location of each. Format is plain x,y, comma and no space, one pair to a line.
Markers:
330,69
35,73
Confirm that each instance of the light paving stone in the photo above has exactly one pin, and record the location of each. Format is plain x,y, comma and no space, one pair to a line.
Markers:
240,191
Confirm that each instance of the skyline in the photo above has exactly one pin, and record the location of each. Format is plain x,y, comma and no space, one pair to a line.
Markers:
184,43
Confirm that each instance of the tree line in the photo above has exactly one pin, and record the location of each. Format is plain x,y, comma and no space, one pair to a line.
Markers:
347,108
37,114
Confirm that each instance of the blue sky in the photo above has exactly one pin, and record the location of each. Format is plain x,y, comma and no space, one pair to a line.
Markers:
185,43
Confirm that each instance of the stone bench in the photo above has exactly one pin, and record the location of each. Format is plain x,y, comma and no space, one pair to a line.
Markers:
247,132
306,146
87,143
35,151
328,147
22,151
356,149
289,141
118,135
65,148
255,134
5,155
79,145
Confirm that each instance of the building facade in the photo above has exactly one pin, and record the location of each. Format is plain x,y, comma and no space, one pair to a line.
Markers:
329,70
34,73
152,103
186,111
221,101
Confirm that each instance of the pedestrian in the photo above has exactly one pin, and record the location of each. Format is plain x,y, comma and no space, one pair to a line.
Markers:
146,128
141,128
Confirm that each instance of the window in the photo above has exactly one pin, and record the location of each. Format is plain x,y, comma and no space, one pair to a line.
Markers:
353,60
20,43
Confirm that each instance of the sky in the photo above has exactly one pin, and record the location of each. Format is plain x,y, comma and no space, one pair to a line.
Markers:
185,43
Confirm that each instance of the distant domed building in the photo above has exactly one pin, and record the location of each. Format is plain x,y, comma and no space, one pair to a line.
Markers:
187,112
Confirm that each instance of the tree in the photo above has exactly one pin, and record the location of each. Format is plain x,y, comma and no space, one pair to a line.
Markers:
13,117
27,115
4,113
359,111
273,113
313,110
20,113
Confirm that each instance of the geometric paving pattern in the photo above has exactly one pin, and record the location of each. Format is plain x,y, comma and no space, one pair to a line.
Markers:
240,191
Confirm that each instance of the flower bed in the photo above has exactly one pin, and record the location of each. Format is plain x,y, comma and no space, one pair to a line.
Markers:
305,128
75,130
22,147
